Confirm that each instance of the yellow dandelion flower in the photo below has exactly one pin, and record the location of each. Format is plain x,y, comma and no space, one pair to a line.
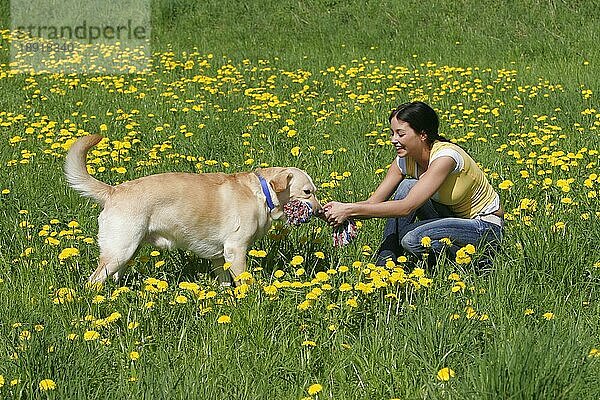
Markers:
548,316
25,335
191,286
91,335
52,241
470,312
244,276
224,319
305,305
68,253
454,277
134,356
506,185
309,343
425,282
181,299
253,253
417,272
345,287
47,384
593,353
469,249
352,302
113,317
446,241
426,241
297,260
445,374
458,286
322,276
462,257
270,290
314,389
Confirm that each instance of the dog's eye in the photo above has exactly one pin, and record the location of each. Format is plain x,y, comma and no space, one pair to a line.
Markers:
306,191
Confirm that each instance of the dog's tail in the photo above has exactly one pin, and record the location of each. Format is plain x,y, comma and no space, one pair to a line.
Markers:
77,173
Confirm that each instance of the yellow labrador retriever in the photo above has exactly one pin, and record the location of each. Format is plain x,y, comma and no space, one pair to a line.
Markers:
216,216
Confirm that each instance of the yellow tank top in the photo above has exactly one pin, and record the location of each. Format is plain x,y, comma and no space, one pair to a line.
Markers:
465,191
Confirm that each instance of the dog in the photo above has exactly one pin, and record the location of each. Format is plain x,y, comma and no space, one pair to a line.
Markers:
214,215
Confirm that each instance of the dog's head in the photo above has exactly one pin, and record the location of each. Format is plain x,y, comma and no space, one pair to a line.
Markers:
292,184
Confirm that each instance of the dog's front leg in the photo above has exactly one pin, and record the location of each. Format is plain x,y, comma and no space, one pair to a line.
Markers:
222,275
236,255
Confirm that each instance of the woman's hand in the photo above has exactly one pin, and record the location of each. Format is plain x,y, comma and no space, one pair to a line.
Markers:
336,213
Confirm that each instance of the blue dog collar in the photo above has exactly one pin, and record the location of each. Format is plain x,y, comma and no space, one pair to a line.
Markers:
265,189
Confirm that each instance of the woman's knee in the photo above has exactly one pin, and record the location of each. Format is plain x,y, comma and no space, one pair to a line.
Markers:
411,242
403,188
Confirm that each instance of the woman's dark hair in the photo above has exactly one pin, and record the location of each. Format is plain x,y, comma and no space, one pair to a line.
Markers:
421,118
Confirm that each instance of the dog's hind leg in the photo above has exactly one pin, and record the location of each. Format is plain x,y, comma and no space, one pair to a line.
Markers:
112,262
236,255
222,275
118,239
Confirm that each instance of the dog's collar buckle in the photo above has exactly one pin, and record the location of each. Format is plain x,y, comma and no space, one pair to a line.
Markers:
265,189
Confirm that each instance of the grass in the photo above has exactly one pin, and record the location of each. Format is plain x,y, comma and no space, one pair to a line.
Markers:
510,81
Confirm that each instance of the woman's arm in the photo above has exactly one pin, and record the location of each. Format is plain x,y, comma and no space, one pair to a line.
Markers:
429,183
392,179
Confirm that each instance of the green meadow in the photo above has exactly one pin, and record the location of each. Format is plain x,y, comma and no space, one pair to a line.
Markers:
236,86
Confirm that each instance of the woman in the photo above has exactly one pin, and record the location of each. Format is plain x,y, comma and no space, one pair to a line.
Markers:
446,191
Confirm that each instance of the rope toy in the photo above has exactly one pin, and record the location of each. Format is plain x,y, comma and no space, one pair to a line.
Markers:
297,212
344,233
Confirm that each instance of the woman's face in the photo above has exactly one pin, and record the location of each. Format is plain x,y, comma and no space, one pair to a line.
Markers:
405,139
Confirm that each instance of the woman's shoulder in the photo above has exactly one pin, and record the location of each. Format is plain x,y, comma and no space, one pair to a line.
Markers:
439,145
449,149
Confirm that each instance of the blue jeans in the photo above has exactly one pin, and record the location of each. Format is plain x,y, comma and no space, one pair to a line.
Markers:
436,221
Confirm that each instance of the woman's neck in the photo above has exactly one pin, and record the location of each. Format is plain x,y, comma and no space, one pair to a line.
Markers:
422,159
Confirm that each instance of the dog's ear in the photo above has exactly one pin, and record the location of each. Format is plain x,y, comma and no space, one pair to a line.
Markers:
281,181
